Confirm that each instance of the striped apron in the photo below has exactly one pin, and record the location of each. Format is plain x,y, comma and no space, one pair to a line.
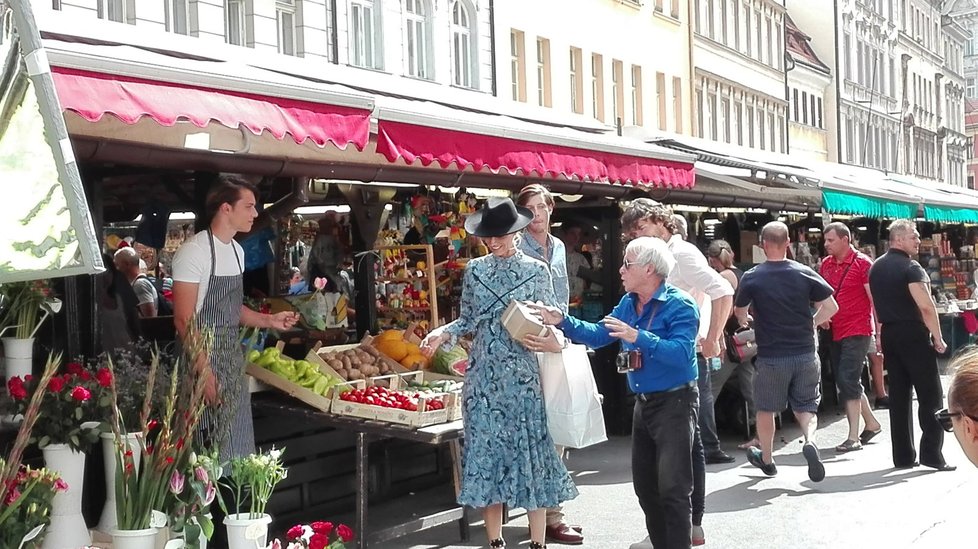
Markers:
229,425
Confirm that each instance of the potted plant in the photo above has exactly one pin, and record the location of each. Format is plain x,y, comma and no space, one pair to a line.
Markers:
26,494
143,491
317,535
194,489
65,428
26,305
250,481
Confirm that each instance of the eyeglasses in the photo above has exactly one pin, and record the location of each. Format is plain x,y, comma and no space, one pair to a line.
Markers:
945,417
626,263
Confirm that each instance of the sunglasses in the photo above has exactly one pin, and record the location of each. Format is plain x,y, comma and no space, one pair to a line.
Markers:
945,417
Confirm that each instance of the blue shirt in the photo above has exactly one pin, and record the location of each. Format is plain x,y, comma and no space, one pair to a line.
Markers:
557,263
668,345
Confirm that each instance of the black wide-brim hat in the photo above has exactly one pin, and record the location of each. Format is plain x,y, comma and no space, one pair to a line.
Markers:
498,217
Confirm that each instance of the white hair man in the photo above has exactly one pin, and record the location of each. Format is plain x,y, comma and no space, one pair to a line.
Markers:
127,261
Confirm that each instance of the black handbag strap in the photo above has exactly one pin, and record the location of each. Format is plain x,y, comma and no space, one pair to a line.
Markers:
835,290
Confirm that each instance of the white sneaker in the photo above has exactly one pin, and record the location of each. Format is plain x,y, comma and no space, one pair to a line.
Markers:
698,536
644,544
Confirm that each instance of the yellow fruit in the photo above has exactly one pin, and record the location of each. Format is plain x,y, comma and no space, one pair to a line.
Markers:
388,335
396,349
412,348
413,362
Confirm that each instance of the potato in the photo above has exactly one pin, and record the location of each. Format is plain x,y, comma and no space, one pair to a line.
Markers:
343,374
334,364
356,374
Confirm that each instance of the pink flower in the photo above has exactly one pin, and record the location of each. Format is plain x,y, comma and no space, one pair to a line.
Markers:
275,544
344,532
201,474
81,394
60,485
319,283
294,533
176,482
12,495
210,493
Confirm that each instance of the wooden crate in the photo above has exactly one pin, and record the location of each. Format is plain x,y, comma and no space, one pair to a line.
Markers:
314,356
419,418
410,336
453,404
290,388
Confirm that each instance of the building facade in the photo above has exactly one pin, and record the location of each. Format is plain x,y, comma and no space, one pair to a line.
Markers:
739,73
953,142
446,43
809,81
965,13
592,68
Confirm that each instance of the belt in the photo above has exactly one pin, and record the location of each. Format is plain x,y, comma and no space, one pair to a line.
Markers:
645,397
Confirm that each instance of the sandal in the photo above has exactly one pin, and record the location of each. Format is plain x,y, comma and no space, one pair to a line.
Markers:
496,543
868,435
849,446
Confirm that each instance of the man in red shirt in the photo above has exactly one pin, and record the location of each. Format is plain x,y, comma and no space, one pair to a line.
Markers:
847,271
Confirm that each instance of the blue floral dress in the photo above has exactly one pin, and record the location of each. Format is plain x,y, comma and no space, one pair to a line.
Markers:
508,455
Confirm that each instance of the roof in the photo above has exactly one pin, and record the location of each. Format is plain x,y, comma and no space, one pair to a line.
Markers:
797,44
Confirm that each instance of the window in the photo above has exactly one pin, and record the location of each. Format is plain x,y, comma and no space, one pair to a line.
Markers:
710,19
725,111
416,38
544,96
846,56
636,95
747,33
700,112
750,126
517,65
773,132
760,41
794,105
677,104
462,47
235,22
674,9
818,115
811,110
892,78
714,115
971,88
660,99
723,21
617,91
597,86
576,80
760,129
285,17
735,13
770,42
658,6
365,34
697,26
739,121
778,48
120,11
176,16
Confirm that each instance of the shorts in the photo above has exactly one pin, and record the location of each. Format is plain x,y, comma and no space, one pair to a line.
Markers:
790,380
848,360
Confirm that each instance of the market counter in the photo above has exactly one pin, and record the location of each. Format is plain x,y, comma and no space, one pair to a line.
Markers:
366,431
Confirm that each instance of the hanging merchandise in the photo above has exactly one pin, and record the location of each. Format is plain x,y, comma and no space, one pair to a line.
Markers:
152,228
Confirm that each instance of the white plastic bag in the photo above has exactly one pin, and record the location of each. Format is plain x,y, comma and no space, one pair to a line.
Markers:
574,414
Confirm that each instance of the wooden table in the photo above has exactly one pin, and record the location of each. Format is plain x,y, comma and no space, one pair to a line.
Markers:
367,430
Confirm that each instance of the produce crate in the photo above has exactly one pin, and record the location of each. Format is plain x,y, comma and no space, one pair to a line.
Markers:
409,335
290,388
419,418
453,405
316,358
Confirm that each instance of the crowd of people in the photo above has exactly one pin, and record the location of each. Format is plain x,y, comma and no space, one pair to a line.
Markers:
671,323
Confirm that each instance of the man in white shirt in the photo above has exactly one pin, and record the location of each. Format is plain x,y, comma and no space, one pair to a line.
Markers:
714,296
127,262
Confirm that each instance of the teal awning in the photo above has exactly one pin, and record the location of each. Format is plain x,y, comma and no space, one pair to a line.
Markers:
948,214
854,204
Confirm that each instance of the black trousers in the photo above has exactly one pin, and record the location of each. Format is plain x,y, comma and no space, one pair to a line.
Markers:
912,366
663,428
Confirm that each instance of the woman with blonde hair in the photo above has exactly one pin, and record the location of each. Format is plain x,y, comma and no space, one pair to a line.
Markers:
961,414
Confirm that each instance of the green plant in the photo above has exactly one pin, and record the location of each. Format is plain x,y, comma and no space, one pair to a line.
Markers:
131,367
165,444
194,488
25,301
251,480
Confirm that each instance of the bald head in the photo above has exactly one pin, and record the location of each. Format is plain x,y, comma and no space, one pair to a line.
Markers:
774,240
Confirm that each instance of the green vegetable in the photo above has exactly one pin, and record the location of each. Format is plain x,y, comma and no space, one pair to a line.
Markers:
452,362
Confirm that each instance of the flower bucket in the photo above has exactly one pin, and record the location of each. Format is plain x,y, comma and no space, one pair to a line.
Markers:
18,356
108,520
134,539
67,528
247,533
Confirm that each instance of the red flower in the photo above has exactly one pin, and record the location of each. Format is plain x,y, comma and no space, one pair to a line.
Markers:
179,444
56,384
318,541
294,533
344,532
15,386
12,494
74,368
85,375
324,528
28,378
104,377
81,394
169,460
152,425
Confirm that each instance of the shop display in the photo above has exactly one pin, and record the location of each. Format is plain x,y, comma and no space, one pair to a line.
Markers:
952,276
405,278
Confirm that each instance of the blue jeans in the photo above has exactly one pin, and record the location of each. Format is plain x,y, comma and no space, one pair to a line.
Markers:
705,436
663,428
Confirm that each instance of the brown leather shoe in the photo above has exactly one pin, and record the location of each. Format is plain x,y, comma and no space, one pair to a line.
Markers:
563,534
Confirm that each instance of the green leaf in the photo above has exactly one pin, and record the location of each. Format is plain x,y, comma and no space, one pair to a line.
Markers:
207,525
45,440
74,441
78,414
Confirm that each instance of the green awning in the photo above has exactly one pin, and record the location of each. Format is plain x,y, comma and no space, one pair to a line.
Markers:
854,204
948,214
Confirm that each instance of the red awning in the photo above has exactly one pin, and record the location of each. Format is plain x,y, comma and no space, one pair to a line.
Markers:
94,94
429,144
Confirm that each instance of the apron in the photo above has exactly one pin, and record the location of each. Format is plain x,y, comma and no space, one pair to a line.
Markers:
228,426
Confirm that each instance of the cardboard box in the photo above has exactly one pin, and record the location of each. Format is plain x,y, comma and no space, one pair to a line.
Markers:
519,321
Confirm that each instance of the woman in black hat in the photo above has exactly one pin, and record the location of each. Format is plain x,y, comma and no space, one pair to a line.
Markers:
508,455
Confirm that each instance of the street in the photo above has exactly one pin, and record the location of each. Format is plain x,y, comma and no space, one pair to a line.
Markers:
863,501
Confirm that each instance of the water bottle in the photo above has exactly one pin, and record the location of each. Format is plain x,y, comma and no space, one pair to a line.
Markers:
713,364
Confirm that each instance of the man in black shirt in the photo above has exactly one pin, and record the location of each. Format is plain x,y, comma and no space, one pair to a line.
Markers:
911,340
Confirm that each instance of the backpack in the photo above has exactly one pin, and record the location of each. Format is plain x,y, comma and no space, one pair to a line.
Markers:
163,307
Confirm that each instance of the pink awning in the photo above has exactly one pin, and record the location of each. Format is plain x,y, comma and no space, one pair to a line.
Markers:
93,95
414,142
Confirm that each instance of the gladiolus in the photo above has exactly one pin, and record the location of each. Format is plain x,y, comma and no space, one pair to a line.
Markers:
176,482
